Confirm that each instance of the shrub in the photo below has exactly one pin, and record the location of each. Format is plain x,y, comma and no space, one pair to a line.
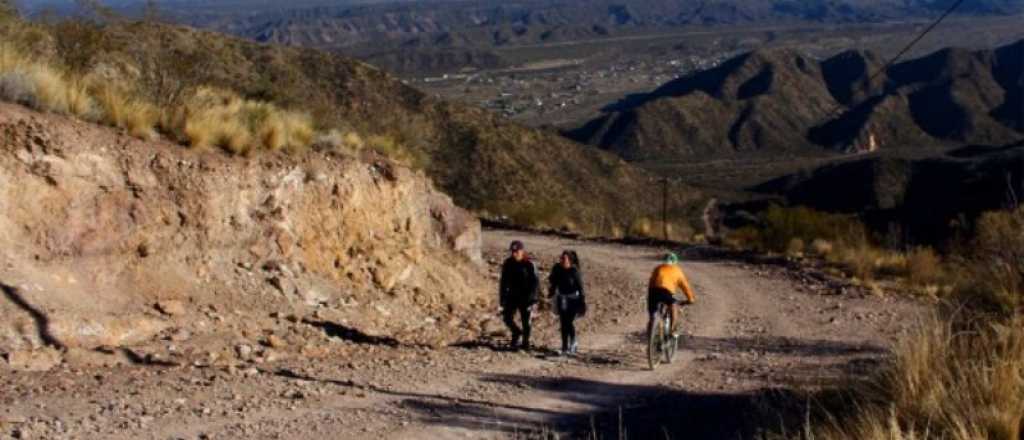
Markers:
334,139
821,247
164,97
943,383
861,260
18,88
923,266
795,247
118,110
218,118
80,102
994,266
781,225
747,237
41,87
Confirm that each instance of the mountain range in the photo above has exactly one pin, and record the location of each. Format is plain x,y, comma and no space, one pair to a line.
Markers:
779,101
440,35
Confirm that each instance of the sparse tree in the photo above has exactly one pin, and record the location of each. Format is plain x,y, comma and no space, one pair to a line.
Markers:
78,42
168,78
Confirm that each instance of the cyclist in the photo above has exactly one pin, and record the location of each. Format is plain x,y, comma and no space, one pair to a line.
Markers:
517,292
665,279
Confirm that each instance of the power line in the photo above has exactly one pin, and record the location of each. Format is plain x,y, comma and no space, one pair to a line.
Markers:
904,51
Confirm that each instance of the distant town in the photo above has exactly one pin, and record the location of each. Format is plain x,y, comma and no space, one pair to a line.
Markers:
564,93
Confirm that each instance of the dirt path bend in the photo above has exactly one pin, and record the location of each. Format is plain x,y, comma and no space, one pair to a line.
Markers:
753,328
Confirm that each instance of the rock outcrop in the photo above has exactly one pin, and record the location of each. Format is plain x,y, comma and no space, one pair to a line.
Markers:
109,241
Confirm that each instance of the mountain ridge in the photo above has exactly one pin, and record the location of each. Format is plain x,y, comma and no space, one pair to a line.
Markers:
781,101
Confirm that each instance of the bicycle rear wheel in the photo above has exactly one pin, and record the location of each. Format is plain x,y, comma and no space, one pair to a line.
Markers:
655,339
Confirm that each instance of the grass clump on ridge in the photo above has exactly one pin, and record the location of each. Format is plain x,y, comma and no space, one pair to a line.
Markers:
201,117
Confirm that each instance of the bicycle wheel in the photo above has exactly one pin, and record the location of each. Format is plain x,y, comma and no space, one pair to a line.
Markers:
655,339
671,344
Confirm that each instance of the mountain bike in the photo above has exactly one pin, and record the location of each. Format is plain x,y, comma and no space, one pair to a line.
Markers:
661,346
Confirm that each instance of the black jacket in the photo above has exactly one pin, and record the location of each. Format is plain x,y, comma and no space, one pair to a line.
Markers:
565,281
567,284
519,283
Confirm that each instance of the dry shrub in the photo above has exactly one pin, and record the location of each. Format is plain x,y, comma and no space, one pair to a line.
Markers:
923,266
993,271
119,110
795,247
781,225
42,87
821,247
943,384
218,118
52,90
641,228
18,88
285,129
861,260
80,101
747,237
350,142
393,149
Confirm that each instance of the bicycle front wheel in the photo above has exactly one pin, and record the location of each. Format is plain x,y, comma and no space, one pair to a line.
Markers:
671,344
655,339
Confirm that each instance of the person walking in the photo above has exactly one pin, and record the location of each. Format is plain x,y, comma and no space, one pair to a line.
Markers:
566,287
517,293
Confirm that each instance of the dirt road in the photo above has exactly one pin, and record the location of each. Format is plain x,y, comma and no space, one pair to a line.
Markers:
753,328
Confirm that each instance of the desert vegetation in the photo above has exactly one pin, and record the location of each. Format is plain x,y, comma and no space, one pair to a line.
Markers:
961,375
845,245
64,77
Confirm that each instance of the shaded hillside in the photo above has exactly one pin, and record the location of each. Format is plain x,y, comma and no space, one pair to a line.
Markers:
781,101
735,107
485,163
924,200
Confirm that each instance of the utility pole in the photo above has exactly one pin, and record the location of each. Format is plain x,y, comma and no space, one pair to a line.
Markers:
664,208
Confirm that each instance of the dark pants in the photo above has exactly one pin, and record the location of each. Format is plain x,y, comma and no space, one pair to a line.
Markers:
524,315
568,321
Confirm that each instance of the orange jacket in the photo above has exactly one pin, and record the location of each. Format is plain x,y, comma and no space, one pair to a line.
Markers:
670,277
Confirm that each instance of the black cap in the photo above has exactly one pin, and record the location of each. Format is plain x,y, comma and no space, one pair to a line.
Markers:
516,246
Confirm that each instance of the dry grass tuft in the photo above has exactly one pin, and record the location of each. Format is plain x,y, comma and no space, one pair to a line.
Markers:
139,118
959,379
923,266
821,247
206,118
995,262
943,384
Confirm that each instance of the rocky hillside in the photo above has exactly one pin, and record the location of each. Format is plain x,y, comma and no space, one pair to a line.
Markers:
109,241
487,164
781,101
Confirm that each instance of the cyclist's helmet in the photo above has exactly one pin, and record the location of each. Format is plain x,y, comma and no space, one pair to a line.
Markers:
671,258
